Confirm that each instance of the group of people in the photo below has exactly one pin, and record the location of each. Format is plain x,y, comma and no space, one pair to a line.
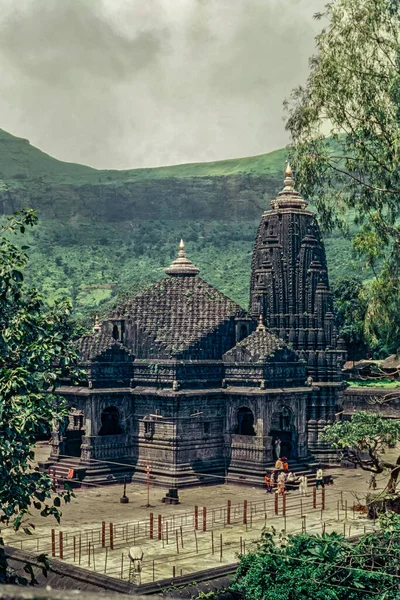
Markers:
286,480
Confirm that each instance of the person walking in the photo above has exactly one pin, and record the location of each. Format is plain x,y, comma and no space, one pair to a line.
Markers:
320,479
372,482
303,485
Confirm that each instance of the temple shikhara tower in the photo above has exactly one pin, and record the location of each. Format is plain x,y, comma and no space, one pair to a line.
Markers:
290,289
184,380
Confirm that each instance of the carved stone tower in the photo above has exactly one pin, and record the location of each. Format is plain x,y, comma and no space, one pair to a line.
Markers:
290,289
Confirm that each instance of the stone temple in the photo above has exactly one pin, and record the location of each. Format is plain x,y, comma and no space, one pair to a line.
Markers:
183,380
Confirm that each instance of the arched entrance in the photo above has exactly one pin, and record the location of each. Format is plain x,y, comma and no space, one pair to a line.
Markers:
110,422
283,433
245,422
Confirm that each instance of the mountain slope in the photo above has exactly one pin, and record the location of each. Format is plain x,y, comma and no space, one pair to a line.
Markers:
106,232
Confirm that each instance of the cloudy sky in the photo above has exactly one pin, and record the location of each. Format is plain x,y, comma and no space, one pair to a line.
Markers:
134,83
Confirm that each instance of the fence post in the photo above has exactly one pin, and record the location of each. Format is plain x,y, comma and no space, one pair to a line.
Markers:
61,546
323,499
276,504
159,527
53,542
228,513
151,528
220,547
103,534
314,496
196,517
244,512
284,505
111,537
204,518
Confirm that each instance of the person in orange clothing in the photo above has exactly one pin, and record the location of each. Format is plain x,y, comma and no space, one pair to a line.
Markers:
278,464
285,464
267,480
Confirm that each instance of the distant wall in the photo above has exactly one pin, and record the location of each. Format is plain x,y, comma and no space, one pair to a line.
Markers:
370,400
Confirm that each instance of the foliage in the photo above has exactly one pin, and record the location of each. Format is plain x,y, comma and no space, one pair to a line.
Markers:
35,351
353,95
350,311
326,567
363,440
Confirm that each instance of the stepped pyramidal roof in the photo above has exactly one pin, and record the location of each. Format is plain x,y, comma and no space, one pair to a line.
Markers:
178,311
94,344
260,346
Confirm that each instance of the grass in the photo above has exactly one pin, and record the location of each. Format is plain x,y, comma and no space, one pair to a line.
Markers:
382,383
19,161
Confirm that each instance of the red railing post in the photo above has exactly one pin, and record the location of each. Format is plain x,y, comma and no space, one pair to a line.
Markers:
61,545
276,504
103,534
284,505
204,518
228,513
323,499
196,517
314,497
53,542
244,512
159,527
151,527
111,536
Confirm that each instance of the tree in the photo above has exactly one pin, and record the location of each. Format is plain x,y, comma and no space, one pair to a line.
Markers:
345,126
326,567
35,351
364,439
350,309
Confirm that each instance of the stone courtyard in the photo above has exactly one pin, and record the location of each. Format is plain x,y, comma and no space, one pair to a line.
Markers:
182,546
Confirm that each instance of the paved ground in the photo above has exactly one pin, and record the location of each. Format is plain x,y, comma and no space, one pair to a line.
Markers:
183,547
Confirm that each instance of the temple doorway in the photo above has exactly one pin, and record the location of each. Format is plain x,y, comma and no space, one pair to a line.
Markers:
74,433
283,434
110,422
245,421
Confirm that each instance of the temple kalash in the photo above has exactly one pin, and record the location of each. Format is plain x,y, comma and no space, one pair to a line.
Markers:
185,383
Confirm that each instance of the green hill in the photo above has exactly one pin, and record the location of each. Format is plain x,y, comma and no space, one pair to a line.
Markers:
106,232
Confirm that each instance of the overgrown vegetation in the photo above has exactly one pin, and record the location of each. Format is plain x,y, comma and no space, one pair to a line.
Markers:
323,567
353,96
35,351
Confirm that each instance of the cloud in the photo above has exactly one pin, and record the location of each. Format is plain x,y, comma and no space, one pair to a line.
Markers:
132,83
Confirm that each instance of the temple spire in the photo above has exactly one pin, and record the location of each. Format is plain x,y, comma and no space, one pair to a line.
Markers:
260,326
288,197
182,265
97,325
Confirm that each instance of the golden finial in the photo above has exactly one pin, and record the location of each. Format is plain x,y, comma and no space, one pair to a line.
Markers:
289,171
182,253
97,325
260,326
182,265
